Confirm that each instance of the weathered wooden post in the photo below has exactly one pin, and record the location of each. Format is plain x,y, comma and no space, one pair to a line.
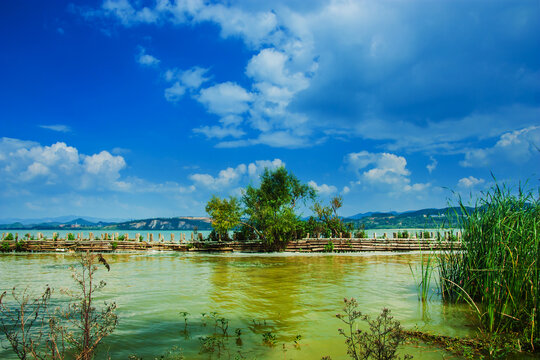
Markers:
375,236
431,235
200,237
151,237
172,237
191,237
385,235
307,236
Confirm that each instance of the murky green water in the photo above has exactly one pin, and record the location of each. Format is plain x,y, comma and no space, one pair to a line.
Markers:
294,294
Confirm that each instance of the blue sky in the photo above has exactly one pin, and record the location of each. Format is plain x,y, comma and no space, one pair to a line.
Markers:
132,109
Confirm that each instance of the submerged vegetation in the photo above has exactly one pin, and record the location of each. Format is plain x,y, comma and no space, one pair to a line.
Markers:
382,340
35,329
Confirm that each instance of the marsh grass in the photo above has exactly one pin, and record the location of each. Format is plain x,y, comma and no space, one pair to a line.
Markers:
496,270
423,274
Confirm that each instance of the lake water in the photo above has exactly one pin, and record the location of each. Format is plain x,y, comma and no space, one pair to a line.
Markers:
295,294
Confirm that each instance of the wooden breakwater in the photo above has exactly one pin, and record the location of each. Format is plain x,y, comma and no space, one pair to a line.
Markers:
312,245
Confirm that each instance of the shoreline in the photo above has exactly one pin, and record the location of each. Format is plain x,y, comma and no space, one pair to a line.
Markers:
311,245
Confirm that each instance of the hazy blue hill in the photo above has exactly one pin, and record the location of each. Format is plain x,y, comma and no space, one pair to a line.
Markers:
176,223
367,214
425,218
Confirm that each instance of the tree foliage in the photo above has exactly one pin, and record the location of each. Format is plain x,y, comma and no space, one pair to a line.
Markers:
268,211
225,213
328,223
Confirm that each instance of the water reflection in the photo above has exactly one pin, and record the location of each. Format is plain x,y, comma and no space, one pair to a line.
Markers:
295,294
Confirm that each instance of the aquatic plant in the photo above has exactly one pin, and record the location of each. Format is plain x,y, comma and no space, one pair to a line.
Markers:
223,325
497,271
35,330
9,236
114,245
269,338
380,342
185,315
70,236
423,275
238,333
297,339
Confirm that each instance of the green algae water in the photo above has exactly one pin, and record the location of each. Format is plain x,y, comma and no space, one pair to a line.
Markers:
285,294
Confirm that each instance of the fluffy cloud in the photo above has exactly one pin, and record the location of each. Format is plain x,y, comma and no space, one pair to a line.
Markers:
146,59
469,182
382,169
516,147
56,165
256,168
219,132
395,75
175,92
230,176
323,189
193,78
225,99
126,13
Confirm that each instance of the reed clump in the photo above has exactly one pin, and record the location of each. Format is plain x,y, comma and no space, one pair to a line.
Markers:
496,271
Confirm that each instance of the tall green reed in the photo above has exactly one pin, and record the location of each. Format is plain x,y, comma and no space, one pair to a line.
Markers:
423,274
496,269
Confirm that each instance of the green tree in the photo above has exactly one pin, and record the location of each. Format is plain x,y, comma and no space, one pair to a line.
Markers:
332,224
225,214
271,208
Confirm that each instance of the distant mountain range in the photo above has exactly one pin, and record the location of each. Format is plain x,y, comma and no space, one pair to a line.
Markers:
60,220
425,218
177,223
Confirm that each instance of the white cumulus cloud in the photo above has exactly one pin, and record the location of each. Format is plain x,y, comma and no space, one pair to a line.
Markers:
323,189
469,182
225,99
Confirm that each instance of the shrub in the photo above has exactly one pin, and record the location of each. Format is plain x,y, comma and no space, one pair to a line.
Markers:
36,331
380,342
329,247
5,247
9,236
70,237
19,245
114,245
362,234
